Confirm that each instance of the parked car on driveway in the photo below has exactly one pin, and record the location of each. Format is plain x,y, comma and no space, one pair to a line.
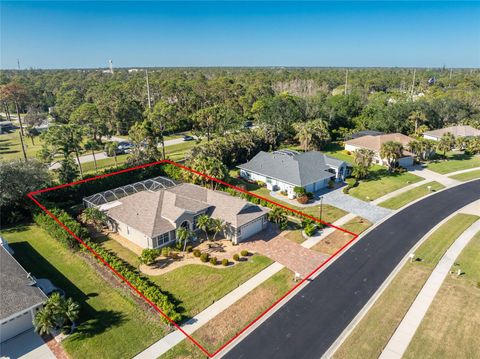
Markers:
188,138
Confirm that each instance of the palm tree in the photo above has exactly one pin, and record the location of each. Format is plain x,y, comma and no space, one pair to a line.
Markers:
71,311
95,217
217,226
304,134
204,223
92,146
417,117
446,143
391,151
277,215
184,235
44,321
111,148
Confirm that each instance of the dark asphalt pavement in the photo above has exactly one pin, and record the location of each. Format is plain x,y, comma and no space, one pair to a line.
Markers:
308,324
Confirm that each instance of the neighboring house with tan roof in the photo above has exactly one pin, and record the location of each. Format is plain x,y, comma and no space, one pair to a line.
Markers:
150,218
374,143
457,131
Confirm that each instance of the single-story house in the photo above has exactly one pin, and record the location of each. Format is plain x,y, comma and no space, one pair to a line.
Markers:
375,143
150,218
365,133
20,297
457,131
284,170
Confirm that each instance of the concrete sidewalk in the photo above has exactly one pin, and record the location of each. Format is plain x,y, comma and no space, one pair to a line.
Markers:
400,340
433,176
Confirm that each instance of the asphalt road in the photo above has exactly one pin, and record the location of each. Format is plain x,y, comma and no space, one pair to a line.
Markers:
308,324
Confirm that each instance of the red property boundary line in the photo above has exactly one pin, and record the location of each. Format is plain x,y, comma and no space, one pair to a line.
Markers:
32,195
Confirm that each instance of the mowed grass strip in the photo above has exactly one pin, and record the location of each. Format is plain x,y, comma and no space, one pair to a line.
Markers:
451,325
198,286
111,324
456,161
336,240
232,320
372,333
411,195
381,182
467,176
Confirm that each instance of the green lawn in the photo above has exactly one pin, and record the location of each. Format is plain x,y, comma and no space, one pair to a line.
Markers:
124,253
111,325
382,182
372,333
451,325
456,161
329,213
411,195
197,286
11,148
467,176
229,322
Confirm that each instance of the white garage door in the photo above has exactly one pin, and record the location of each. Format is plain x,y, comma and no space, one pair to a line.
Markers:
251,228
15,326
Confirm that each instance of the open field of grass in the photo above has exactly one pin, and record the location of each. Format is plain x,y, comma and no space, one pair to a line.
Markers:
11,148
372,333
197,286
229,322
456,161
411,195
336,240
451,325
382,182
467,176
111,325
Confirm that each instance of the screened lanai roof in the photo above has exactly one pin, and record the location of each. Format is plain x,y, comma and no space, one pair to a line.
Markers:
151,184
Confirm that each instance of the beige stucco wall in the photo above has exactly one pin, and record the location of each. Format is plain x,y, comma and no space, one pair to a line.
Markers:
133,235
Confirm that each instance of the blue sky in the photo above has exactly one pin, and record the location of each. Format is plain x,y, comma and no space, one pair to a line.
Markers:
87,34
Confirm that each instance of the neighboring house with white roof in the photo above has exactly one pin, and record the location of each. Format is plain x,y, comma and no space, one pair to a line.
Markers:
457,131
150,218
20,298
284,170
375,143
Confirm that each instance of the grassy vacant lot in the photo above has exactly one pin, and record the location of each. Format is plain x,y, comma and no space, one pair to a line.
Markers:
111,325
411,195
456,161
11,148
382,182
452,323
229,322
336,240
197,286
372,333
467,176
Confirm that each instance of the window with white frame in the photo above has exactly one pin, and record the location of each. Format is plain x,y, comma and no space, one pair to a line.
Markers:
161,239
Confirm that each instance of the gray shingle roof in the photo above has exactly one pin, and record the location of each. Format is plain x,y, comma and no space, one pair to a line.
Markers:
457,131
17,291
154,213
299,169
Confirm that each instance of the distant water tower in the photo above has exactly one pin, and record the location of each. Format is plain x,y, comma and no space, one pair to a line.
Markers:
110,65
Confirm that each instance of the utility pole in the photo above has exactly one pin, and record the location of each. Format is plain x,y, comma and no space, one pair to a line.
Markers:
346,82
413,83
148,91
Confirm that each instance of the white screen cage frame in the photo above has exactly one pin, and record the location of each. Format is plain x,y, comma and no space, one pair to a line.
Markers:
151,184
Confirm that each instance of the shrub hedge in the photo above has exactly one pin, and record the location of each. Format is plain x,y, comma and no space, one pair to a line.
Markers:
143,285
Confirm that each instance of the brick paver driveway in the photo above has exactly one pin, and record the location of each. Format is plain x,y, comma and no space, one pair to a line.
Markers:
292,255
